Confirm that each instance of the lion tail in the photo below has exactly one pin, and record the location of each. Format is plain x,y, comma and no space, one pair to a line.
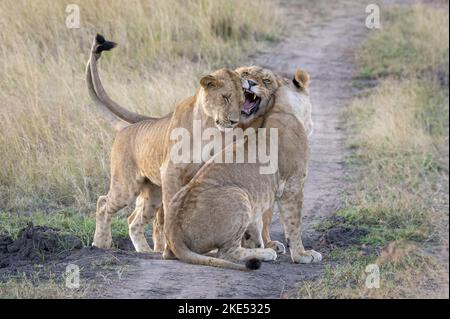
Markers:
118,116
183,253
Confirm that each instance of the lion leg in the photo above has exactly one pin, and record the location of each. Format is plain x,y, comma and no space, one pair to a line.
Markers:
268,242
107,206
136,224
234,249
167,253
102,235
158,231
149,198
171,184
252,236
291,218
122,192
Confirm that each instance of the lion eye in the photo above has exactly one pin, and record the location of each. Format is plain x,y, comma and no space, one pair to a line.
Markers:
267,81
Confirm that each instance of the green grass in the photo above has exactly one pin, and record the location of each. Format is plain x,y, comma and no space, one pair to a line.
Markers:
70,222
399,133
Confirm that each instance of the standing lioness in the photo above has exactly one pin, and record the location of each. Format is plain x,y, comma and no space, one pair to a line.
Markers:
294,97
140,149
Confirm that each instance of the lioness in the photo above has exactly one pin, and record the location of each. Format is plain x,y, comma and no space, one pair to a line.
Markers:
207,214
264,83
140,149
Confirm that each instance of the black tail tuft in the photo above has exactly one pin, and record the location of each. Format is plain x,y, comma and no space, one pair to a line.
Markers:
100,39
103,45
253,264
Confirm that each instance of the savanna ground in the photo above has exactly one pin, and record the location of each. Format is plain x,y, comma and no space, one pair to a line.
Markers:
378,186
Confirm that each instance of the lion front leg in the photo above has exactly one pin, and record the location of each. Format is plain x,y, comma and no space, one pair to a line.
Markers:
172,177
291,217
159,241
136,224
268,242
146,204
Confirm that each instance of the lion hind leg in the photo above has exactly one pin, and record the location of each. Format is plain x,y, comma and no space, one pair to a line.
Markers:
106,208
102,235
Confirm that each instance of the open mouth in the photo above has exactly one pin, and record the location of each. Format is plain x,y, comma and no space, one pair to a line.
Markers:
251,103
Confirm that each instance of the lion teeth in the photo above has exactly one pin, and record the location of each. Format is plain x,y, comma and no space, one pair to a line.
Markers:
254,97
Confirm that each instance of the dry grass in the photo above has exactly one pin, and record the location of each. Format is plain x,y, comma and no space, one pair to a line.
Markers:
406,271
20,288
421,35
54,148
401,138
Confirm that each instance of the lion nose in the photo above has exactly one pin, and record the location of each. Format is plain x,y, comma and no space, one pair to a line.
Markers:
251,83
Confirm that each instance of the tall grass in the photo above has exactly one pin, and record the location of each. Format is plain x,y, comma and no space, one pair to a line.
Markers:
422,42
401,136
400,129
54,148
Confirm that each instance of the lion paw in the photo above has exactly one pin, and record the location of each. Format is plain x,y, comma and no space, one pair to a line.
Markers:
104,243
268,254
308,256
277,246
168,254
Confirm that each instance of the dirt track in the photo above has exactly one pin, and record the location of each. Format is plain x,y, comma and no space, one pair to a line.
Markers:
326,52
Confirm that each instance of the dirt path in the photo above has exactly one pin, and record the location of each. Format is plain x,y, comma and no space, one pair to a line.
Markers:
327,54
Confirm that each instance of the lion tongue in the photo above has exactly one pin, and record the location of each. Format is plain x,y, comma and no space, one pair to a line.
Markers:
247,107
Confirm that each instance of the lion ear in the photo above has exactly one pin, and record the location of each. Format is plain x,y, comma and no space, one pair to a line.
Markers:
301,79
209,81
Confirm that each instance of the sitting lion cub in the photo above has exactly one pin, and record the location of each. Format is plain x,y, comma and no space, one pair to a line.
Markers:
214,210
